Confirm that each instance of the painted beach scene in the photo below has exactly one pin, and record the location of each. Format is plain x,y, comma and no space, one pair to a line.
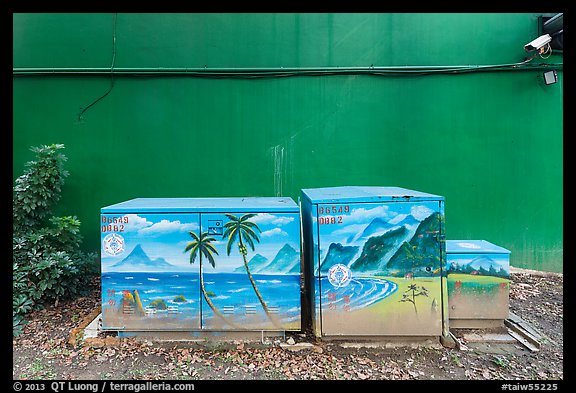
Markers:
201,271
379,268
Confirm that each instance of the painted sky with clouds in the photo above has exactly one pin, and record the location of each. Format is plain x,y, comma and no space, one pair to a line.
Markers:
362,214
166,236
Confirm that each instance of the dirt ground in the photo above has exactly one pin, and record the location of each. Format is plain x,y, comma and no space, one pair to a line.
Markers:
43,351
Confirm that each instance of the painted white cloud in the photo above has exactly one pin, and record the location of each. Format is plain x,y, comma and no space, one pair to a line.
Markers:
283,221
135,223
263,218
267,218
363,215
349,229
421,212
397,219
273,232
459,261
166,226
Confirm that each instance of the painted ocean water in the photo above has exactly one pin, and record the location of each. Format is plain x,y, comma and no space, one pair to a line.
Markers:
361,292
227,291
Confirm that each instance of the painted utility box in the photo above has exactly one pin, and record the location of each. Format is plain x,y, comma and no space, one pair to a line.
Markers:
375,258
478,283
194,264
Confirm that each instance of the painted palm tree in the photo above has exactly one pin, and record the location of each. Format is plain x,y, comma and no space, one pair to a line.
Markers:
244,231
201,245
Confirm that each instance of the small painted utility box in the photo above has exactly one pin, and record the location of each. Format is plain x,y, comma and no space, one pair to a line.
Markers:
201,264
374,261
478,283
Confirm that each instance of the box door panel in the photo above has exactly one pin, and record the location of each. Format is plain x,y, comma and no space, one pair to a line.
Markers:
478,285
148,282
245,287
380,268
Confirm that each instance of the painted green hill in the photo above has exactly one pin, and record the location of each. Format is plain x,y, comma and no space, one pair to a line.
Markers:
337,253
421,251
376,248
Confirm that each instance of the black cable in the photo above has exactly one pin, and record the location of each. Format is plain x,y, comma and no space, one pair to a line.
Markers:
111,68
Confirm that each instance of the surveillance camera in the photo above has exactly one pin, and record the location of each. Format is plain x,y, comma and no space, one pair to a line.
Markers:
538,43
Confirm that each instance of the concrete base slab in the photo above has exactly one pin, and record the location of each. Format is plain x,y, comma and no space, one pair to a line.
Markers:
297,347
392,342
77,333
476,323
502,338
496,348
93,327
201,336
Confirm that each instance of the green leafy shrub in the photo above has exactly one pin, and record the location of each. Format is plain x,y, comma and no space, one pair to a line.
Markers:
48,263
38,189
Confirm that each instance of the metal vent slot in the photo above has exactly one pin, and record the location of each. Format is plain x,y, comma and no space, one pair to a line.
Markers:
128,310
172,309
250,309
228,310
150,310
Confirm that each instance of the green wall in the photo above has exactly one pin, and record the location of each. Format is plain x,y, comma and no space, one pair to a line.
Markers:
491,143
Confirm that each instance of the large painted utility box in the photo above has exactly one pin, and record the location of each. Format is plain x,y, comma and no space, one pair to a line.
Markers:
478,283
375,261
201,264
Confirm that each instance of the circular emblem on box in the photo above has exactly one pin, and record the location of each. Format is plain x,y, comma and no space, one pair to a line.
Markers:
339,275
113,244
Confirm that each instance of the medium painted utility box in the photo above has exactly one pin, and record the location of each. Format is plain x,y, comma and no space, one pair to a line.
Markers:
375,258
478,283
201,264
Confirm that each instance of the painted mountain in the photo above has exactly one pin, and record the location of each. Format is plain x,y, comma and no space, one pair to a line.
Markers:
378,226
421,252
255,264
378,249
408,220
286,261
483,265
337,253
138,260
